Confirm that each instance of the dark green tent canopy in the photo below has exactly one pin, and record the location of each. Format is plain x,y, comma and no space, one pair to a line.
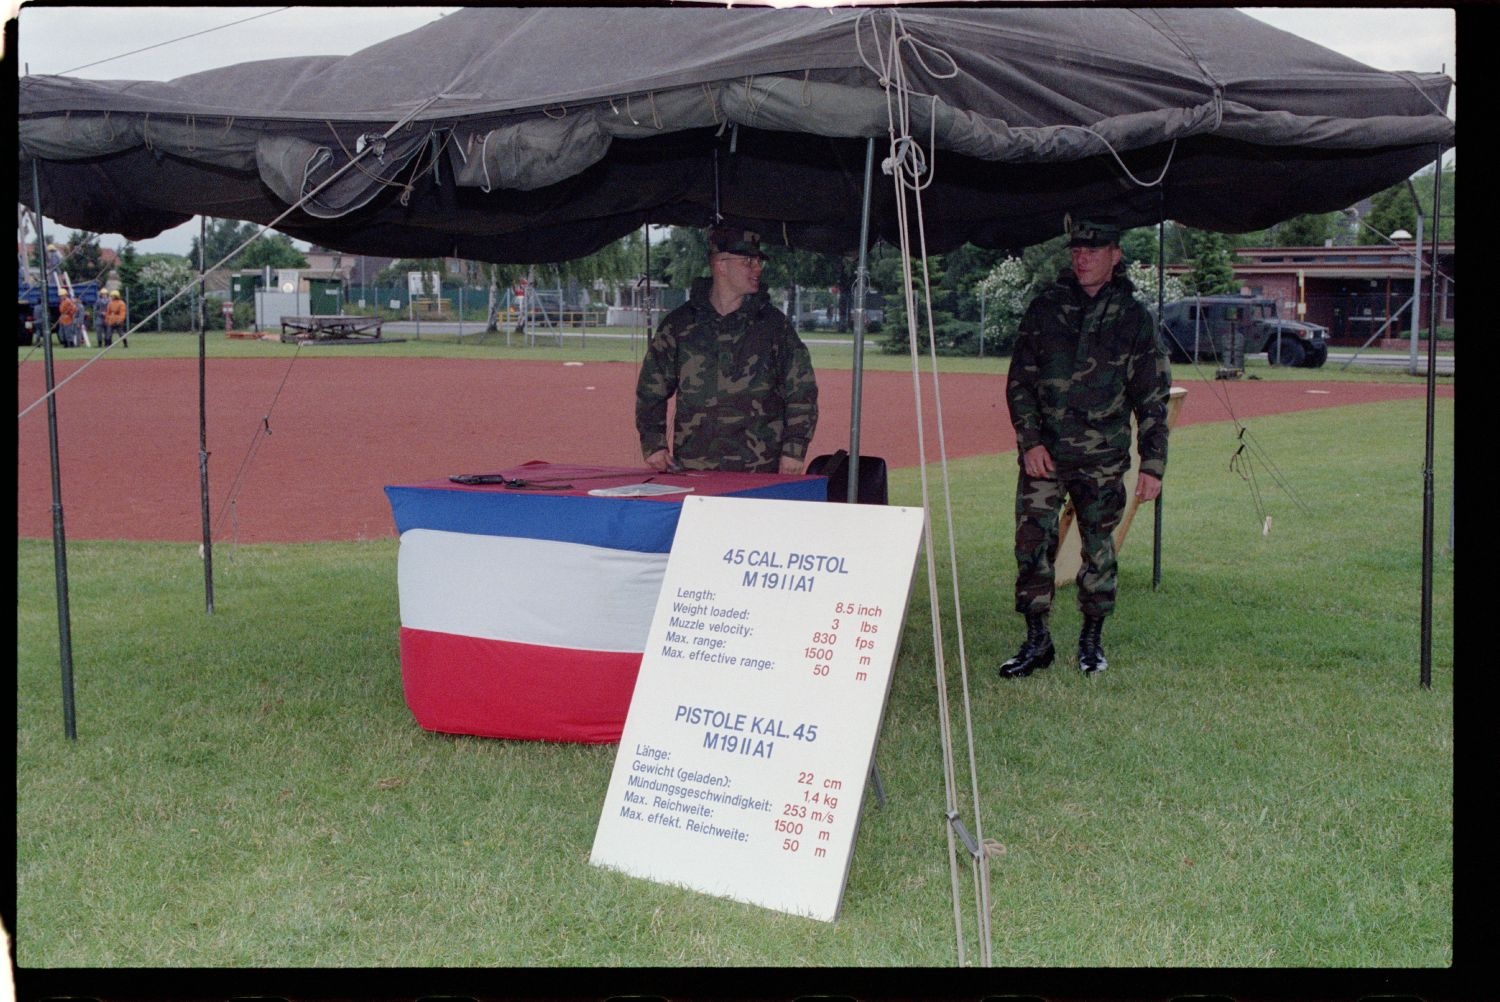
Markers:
541,134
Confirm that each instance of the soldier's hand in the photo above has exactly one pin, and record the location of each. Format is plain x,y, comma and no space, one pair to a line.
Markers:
791,466
1038,462
1147,487
659,460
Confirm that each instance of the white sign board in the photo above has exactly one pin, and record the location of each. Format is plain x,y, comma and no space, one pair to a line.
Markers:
424,283
747,748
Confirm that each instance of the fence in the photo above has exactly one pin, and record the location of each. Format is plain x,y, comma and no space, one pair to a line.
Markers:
471,305
816,309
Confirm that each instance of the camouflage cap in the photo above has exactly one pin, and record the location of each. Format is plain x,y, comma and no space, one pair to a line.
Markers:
1092,233
728,240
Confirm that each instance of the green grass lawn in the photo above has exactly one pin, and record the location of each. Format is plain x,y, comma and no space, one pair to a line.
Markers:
1258,781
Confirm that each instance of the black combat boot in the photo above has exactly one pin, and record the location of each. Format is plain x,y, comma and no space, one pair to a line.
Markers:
1091,660
1036,650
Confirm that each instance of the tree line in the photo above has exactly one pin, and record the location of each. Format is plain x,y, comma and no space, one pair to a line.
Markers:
977,293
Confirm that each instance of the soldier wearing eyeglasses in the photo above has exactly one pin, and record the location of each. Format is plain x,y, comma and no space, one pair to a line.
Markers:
746,395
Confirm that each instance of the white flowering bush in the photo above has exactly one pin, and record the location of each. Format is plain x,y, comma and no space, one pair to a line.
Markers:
170,276
1143,277
167,274
1006,292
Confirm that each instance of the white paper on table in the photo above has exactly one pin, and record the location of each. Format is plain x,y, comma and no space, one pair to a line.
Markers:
642,490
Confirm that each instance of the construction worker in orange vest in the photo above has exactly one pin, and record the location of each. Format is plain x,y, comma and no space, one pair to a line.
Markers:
114,318
67,321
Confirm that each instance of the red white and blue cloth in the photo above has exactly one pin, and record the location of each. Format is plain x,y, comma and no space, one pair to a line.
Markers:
525,606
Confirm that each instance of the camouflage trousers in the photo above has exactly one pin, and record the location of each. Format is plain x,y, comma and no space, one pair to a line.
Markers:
1098,504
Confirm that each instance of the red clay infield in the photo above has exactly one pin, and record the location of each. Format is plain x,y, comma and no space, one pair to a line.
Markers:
343,428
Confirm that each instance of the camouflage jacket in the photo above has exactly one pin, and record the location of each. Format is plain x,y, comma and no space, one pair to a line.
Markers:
1081,367
746,394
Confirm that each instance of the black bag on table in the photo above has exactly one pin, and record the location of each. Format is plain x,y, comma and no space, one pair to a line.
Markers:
871,486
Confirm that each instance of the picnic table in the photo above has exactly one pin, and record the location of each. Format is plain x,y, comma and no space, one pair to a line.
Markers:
330,327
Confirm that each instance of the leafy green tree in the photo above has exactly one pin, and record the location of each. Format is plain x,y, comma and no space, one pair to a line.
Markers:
681,257
886,275
963,268
884,263
128,272
617,261
85,263
950,334
1309,230
1423,183
792,269
1140,244
1390,210
273,249
1212,271
221,237
1045,262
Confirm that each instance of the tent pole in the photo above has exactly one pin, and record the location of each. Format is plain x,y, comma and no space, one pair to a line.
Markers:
208,539
1161,293
861,282
59,536
1427,498
646,306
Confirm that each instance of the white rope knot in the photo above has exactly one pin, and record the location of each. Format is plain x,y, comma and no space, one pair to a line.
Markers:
907,154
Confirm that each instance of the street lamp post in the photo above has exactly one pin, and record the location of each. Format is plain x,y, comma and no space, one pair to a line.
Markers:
1416,280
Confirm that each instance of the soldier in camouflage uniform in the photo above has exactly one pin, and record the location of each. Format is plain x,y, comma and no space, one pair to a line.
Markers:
1087,357
747,399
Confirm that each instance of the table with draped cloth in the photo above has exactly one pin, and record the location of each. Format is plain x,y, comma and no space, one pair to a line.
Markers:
525,603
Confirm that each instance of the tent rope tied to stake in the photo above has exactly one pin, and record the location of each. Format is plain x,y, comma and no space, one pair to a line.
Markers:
262,432
1249,451
911,172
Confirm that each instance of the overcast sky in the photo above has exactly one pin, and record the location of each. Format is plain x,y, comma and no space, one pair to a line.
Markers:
161,43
